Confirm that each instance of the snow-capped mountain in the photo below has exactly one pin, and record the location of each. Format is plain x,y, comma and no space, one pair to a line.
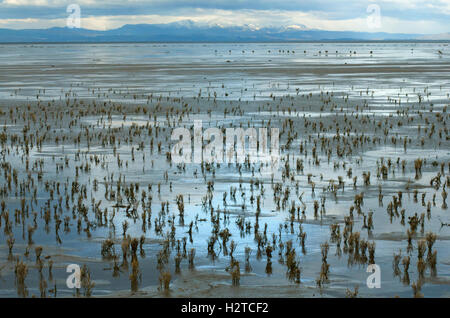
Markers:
189,31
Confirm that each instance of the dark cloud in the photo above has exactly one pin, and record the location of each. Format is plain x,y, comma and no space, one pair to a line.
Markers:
433,10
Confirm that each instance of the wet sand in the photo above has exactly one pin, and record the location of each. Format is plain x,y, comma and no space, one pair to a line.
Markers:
96,142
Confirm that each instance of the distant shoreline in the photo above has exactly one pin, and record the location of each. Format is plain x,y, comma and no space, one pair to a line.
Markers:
229,42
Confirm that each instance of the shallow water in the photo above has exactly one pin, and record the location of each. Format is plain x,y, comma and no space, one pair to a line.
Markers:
137,74
246,71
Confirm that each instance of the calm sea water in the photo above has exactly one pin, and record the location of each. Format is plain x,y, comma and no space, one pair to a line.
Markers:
233,71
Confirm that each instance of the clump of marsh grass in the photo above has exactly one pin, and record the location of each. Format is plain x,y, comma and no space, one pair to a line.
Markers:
164,281
21,272
86,282
371,247
232,248
444,199
10,242
421,248
125,249
42,287
269,250
235,273
125,226
38,251
116,268
178,258
396,263
50,268
293,268
303,240
31,230
335,232
363,248
406,262
141,246
134,246
417,287
135,276
366,178
191,257
108,249
432,261
418,167
248,267
410,246
370,221
225,235
325,268
352,294
180,204
316,209
421,266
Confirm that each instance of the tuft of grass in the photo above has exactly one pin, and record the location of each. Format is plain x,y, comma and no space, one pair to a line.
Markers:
38,251
141,246
417,287
164,281
86,283
21,272
352,294
248,267
10,241
107,249
406,262
191,257
178,259
396,262
235,273
371,247
418,167
135,275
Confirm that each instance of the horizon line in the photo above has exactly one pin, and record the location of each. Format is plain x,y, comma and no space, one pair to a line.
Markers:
217,25
230,42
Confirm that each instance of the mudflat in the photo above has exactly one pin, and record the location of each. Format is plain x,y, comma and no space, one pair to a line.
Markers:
88,176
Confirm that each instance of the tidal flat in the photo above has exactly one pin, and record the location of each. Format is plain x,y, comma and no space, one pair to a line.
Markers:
87,175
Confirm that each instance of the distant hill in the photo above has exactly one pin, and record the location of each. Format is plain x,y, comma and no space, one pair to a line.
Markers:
440,37
188,31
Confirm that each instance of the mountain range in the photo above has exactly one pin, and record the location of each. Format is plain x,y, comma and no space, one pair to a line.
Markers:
188,31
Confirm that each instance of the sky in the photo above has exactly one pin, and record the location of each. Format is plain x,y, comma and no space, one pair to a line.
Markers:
394,16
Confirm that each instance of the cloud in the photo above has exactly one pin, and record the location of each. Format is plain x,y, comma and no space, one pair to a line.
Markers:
48,3
399,16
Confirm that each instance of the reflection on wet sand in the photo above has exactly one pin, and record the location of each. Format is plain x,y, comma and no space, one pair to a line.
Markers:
88,177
